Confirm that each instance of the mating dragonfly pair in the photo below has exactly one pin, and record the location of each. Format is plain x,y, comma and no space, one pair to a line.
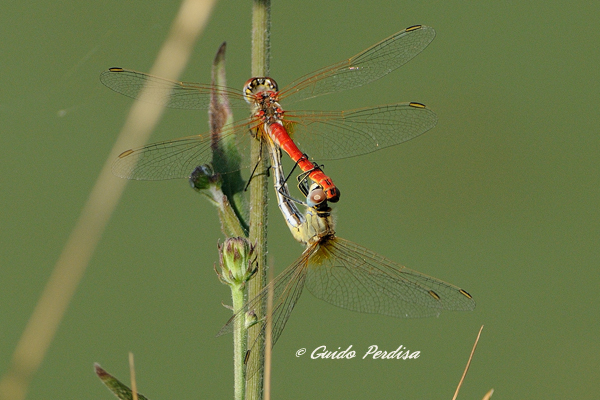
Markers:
333,269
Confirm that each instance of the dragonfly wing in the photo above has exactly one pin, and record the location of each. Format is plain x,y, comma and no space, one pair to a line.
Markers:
164,160
173,159
367,66
172,94
341,134
352,277
287,288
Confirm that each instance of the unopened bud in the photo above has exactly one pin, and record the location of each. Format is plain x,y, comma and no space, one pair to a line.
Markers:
237,261
204,178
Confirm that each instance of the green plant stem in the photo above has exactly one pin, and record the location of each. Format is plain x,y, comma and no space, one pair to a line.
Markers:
261,25
239,343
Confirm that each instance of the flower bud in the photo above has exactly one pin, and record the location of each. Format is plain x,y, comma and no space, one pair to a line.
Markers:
204,178
237,261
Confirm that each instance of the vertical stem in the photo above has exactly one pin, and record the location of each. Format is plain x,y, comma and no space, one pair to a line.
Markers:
261,25
239,343
261,37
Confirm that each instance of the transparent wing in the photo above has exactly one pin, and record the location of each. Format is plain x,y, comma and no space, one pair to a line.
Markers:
287,288
339,134
352,277
173,159
184,95
367,66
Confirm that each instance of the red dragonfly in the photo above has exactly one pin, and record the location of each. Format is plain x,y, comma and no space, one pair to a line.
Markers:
322,135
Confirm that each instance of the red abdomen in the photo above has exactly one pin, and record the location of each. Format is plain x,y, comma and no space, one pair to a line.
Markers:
285,142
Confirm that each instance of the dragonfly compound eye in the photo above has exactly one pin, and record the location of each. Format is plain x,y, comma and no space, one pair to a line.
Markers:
316,197
255,86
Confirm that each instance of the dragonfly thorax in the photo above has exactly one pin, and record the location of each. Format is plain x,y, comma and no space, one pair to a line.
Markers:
318,226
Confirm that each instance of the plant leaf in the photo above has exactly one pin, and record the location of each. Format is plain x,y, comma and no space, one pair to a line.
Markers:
114,385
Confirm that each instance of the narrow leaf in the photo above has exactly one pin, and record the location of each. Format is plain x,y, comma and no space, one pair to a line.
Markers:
120,390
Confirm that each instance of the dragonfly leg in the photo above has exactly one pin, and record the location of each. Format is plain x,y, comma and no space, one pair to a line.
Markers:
303,183
304,157
282,185
287,196
256,167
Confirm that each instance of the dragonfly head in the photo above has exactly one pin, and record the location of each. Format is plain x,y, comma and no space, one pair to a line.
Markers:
257,88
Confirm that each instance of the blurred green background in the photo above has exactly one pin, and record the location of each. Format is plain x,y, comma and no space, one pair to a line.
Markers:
501,198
